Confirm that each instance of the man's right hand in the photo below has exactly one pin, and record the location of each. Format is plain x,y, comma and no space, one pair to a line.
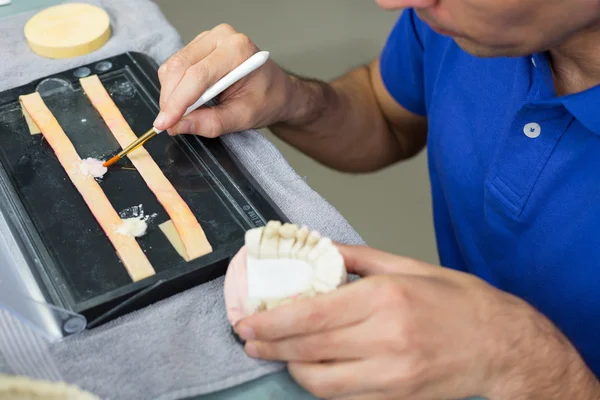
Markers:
258,100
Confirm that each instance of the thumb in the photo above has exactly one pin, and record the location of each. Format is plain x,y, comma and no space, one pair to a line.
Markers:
212,122
365,261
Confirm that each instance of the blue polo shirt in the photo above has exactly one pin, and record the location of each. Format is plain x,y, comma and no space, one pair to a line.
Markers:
515,173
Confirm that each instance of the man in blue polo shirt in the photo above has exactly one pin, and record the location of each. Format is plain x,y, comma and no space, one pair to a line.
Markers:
505,96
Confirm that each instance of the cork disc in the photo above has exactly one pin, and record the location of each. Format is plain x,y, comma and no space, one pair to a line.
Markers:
68,30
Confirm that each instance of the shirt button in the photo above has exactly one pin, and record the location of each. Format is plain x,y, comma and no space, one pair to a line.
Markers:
533,62
532,130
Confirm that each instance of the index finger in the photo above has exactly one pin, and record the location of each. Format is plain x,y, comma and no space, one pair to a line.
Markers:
174,69
200,76
171,71
345,306
366,261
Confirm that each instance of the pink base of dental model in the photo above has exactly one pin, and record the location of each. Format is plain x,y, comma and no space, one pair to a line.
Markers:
236,287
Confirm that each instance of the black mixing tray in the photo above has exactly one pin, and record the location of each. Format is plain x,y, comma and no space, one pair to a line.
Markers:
74,263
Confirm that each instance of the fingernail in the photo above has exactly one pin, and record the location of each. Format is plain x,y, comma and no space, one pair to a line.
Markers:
160,120
245,332
252,350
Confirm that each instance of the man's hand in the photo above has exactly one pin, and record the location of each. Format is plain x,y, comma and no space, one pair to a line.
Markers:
257,100
410,330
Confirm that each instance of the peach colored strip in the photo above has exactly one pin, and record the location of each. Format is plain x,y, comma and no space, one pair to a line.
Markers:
130,252
191,233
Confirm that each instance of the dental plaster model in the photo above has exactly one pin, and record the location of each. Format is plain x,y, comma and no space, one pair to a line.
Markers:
24,388
280,264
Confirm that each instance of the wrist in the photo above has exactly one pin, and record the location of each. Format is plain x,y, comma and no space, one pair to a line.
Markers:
306,102
540,363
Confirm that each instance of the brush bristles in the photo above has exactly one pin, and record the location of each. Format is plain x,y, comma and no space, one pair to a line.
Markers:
111,161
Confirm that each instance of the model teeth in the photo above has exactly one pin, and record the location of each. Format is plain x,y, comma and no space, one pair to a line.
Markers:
328,271
311,241
301,235
287,234
290,263
319,249
253,238
269,245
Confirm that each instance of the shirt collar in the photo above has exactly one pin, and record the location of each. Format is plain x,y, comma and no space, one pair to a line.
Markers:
584,106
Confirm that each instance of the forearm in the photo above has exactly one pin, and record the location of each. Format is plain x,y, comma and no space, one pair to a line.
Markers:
340,124
551,369
569,378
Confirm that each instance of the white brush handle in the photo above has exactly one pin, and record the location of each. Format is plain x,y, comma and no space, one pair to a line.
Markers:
238,73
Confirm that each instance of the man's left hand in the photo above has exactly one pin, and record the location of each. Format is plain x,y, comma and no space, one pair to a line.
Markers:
413,330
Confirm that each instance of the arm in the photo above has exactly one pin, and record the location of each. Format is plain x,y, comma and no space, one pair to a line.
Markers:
540,363
351,124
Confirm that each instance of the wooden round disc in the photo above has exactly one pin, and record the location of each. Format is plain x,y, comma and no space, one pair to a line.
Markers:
68,30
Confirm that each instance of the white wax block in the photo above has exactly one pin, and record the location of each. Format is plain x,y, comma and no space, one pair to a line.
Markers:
277,278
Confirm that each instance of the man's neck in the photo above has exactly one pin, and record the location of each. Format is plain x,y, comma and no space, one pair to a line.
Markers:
576,62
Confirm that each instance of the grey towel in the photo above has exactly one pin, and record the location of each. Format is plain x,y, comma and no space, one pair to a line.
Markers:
181,346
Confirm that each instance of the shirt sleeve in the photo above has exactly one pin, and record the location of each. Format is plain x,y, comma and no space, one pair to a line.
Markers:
401,63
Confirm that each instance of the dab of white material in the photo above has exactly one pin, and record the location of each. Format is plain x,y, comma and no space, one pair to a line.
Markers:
93,167
135,221
134,227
